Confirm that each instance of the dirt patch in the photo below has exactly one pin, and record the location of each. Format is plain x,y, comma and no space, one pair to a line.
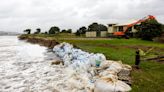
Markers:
109,45
123,46
138,47
145,48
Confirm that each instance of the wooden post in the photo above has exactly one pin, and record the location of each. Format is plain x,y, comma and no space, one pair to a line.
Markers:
137,59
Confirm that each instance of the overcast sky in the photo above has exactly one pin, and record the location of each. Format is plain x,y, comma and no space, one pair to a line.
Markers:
17,15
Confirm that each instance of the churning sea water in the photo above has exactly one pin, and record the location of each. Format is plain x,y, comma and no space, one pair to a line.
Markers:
25,67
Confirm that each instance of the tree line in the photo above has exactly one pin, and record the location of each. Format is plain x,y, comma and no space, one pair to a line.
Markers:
82,30
52,30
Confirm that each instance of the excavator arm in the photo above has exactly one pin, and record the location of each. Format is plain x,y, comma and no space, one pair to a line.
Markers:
122,34
149,17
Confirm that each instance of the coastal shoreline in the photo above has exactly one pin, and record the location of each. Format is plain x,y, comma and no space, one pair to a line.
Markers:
41,41
50,43
117,49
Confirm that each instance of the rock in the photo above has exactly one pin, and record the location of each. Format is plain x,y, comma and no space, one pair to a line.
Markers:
56,62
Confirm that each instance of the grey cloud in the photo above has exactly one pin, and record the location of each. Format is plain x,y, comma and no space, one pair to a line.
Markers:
17,15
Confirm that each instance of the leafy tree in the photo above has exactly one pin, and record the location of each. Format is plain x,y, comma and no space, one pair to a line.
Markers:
64,31
69,31
78,33
97,27
28,31
149,29
102,27
81,30
46,32
93,27
38,30
54,30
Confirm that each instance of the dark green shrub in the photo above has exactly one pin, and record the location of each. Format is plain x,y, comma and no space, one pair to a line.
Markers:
149,29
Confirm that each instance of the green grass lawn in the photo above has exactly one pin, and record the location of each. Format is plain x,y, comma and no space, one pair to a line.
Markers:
150,78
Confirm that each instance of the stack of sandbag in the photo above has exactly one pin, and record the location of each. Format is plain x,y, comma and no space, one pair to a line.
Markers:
76,58
91,71
109,78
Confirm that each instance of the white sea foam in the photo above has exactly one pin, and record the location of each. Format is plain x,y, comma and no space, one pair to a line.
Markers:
25,67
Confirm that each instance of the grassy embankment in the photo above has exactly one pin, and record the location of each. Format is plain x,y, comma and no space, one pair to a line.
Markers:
148,79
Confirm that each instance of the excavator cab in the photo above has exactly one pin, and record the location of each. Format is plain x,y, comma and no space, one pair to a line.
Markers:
118,34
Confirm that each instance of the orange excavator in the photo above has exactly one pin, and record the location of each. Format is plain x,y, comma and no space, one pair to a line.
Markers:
123,33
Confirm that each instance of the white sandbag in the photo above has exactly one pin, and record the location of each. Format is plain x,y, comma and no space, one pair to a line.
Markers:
115,66
106,64
89,84
73,83
127,67
89,87
109,74
107,85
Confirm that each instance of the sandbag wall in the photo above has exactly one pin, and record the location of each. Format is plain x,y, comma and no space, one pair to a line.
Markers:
92,72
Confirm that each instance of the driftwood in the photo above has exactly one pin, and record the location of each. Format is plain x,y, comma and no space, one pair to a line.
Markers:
158,58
